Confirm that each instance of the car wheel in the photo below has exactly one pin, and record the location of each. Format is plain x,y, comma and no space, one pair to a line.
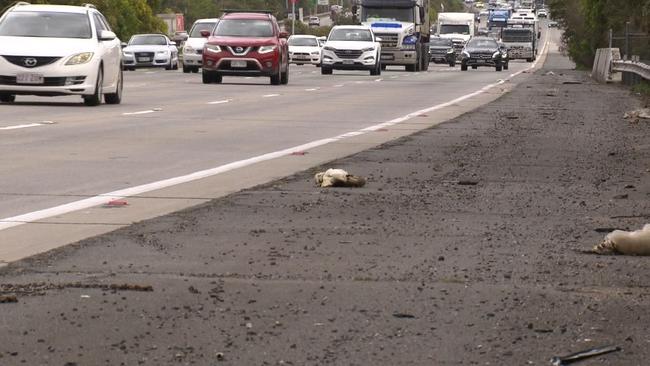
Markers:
410,68
187,69
383,67
208,77
474,67
463,67
175,65
170,65
529,60
217,79
284,80
325,70
7,98
116,98
275,79
499,67
96,98
452,64
505,66
195,69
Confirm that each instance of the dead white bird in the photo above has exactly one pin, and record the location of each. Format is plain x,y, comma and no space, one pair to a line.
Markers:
643,113
626,242
338,178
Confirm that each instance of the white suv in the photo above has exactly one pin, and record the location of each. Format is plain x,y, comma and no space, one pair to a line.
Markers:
51,50
351,47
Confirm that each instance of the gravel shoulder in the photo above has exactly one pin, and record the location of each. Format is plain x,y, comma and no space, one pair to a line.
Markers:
412,269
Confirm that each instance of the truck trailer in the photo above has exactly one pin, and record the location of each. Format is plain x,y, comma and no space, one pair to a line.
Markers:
404,29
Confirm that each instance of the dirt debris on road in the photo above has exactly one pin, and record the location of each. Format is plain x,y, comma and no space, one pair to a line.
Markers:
415,268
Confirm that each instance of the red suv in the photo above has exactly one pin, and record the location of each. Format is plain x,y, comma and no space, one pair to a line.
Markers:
246,44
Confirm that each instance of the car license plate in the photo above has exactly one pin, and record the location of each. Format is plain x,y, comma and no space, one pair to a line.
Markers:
238,63
348,62
29,78
144,59
480,61
387,57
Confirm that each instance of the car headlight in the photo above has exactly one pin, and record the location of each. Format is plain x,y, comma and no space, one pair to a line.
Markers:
496,53
128,53
368,49
161,52
188,49
212,48
451,50
328,48
466,54
267,49
315,53
80,58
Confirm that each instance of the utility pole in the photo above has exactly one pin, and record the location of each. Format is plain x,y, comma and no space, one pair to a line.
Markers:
293,17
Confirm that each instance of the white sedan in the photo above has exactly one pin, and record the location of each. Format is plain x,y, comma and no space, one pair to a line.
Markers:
304,49
351,47
150,50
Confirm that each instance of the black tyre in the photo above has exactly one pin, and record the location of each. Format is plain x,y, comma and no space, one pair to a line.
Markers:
96,98
463,67
452,64
195,69
208,77
499,68
410,68
187,69
529,59
383,67
325,70
7,98
116,98
474,67
218,79
505,66
284,79
275,79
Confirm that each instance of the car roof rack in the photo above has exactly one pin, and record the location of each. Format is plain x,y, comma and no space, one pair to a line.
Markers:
88,5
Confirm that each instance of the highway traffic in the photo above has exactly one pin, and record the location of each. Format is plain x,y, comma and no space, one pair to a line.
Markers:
59,156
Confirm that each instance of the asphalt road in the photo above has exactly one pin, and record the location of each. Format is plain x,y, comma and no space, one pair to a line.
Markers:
54,151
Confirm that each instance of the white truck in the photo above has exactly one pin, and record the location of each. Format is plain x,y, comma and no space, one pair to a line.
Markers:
457,26
521,36
404,29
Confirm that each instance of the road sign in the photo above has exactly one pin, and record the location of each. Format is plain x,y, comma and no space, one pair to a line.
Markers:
323,2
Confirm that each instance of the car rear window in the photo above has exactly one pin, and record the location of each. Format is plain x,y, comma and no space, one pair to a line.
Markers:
46,24
244,28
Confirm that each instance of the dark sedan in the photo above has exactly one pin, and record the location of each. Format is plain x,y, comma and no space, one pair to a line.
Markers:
441,51
481,51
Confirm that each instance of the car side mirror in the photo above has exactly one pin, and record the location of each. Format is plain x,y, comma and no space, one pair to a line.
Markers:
205,33
284,35
123,44
173,43
106,35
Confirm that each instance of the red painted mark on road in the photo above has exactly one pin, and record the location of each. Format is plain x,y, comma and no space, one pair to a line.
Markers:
299,153
116,203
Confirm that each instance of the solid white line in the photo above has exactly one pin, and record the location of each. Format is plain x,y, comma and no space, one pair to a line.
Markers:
220,101
312,89
140,112
378,80
16,127
270,95
338,86
28,125
133,191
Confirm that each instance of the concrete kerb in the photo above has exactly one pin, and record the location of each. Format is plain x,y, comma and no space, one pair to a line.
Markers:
49,233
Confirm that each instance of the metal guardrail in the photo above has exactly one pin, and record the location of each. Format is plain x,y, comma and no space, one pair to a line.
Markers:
639,68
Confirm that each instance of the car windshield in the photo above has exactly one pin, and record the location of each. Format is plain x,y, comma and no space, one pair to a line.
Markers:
148,40
441,43
343,34
303,41
395,14
46,24
454,28
195,32
482,43
244,28
511,35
